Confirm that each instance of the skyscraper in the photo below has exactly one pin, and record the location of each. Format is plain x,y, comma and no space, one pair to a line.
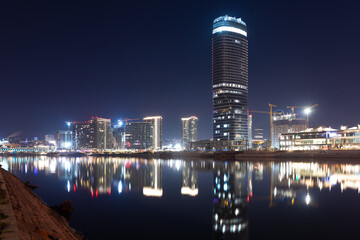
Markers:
230,79
189,131
157,131
138,135
93,134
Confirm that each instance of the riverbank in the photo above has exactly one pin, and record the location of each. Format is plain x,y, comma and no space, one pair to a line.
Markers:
217,155
34,219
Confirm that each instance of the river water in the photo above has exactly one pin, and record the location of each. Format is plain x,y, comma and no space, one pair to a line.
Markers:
119,198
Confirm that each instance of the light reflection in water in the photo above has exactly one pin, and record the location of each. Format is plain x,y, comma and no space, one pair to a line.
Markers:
291,183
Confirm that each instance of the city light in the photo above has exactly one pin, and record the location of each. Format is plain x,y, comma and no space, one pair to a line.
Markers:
307,111
307,199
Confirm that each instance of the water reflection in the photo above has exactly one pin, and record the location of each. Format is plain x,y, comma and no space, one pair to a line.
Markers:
233,183
231,187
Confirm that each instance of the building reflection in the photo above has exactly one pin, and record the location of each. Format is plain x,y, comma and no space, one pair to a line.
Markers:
233,183
189,180
293,182
230,203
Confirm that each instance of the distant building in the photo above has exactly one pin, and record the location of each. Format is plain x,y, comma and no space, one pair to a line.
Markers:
49,138
230,81
139,135
211,145
322,138
119,135
288,123
258,138
93,134
189,131
171,143
156,133
64,139
250,130
84,135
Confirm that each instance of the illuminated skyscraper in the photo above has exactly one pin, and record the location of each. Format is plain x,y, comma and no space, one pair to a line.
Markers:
93,134
189,131
156,134
230,79
138,135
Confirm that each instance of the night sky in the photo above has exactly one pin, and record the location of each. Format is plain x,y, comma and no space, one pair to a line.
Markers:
70,60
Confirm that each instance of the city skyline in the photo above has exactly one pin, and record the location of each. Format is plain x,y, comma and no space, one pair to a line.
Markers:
56,59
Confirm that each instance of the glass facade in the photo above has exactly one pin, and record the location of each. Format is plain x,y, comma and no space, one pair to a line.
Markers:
230,79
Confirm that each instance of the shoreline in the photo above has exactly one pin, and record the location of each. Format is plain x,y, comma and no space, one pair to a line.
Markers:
216,155
34,218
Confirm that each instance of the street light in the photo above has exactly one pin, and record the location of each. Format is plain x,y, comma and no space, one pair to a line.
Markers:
68,124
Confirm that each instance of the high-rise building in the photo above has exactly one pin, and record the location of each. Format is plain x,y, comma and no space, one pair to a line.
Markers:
138,135
230,79
189,131
64,139
156,122
83,134
93,134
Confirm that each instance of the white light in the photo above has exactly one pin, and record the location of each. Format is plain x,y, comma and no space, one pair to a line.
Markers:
189,191
229,29
68,124
120,187
307,111
68,186
307,199
120,123
237,211
67,144
177,146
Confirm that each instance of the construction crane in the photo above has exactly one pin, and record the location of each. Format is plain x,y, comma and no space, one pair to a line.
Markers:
307,111
271,119
128,119
132,119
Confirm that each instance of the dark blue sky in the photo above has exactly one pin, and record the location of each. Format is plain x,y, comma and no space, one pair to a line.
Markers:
70,60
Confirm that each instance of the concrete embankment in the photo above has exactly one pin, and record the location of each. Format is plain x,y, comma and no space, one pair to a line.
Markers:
34,219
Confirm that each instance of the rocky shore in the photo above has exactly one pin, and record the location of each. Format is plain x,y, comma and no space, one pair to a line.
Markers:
34,219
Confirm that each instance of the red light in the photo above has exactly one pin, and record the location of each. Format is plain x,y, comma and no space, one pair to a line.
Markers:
109,191
92,193
74,188
248,199
96,193
251,194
